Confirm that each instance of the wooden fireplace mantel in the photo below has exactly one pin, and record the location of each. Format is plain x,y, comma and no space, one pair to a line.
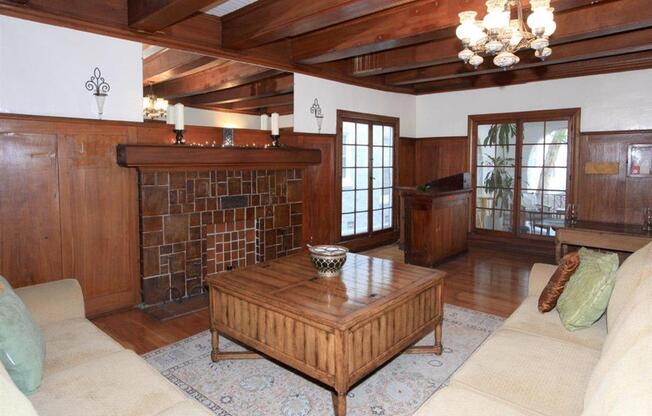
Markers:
173,156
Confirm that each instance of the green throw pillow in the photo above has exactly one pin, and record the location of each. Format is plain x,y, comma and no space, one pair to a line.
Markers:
586,295
21,342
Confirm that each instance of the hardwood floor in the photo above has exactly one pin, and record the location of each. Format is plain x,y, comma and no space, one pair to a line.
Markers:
491,281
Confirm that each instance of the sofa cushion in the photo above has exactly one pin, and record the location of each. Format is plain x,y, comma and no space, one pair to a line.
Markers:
587,294
532,372
21,342
121,384
633,324
460,401
557,283
73,342
526,318
626,386
12,401
631,273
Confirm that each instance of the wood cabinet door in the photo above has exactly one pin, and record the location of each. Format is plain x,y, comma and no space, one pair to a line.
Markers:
30,228
99,219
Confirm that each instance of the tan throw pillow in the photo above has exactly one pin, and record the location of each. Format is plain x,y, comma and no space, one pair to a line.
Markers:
556,284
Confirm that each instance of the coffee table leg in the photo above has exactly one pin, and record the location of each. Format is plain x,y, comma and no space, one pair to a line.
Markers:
215,344
438,347
339,403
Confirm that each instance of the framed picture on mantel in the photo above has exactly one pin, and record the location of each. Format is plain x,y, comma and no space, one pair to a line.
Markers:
639,160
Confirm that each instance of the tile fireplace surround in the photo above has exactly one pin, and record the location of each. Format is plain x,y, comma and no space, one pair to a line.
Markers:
196,223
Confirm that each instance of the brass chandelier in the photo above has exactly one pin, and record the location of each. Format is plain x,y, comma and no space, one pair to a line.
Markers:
500,36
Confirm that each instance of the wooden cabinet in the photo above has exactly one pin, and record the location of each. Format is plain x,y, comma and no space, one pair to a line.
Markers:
436,225
68,210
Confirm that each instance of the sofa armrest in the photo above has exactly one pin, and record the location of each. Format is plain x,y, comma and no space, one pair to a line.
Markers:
53,301
539,276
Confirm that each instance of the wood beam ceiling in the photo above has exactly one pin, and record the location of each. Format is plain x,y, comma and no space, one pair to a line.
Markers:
416,22
576,24
170,64
280,85
627,62
229,75
154,15
261,103
401,45
637,41
267,21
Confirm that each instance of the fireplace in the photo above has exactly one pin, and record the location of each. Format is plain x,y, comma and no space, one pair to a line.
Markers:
196,223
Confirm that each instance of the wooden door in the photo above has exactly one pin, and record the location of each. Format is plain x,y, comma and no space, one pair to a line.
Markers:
99,219
30,239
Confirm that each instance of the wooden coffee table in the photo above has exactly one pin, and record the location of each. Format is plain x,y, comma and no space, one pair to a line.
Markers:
334,330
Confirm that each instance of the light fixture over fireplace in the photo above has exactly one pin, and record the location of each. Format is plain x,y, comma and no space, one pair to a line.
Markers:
501,36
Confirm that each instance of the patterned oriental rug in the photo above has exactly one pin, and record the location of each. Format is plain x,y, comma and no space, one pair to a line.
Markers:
263,388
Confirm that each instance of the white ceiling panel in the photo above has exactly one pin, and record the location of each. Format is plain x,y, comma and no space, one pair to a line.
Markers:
229,6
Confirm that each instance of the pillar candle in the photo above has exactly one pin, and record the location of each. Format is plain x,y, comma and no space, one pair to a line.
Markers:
264,122
275,131
170,119
178,115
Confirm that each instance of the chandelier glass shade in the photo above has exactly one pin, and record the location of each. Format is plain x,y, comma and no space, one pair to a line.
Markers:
500,35
154,107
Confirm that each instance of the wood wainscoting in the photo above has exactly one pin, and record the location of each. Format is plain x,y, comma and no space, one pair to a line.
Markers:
611,197
68,210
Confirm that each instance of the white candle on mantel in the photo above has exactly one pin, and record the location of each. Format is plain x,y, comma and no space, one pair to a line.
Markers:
178,117
264,122
169,118
275,131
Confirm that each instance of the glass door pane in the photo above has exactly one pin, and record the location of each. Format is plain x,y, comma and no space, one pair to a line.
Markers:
495,173
544,164
382,176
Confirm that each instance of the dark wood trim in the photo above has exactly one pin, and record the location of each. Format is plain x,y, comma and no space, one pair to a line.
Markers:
519,245
167,156
571,114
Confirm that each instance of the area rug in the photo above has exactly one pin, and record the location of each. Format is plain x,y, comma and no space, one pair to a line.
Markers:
262,388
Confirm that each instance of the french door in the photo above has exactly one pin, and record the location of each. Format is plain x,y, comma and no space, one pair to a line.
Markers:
523,171
367,170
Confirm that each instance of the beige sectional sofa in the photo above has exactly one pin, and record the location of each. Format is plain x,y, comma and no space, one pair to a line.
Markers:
533,366
86,373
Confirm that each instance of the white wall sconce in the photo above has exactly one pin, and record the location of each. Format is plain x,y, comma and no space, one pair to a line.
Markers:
100,89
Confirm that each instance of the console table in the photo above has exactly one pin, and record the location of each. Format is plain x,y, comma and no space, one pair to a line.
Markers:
620,237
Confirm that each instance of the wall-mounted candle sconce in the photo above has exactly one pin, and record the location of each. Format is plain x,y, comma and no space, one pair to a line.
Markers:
100,89
319,116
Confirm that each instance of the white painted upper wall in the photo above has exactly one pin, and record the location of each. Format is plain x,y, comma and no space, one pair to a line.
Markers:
209,118
619,101
335,96
43,70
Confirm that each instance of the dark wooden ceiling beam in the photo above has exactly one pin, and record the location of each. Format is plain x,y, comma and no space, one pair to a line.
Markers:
265,88
264,102
629,42
627,62
225,76
172,63
267,21
417,22
154,15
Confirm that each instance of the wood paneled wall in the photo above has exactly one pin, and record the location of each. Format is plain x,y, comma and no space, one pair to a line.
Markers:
68,210
422,160
614,198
